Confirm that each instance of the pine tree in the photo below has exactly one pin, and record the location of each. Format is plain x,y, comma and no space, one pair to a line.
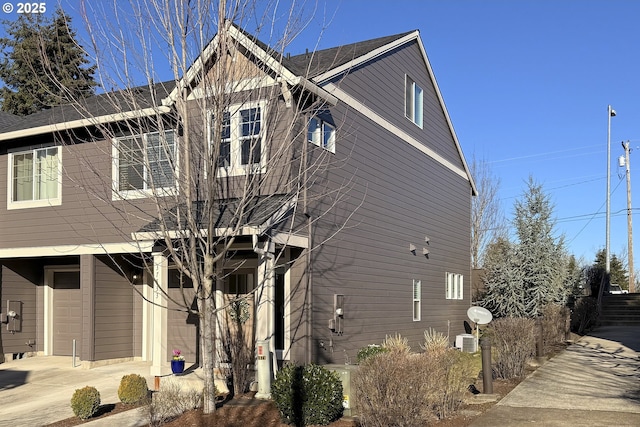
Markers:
505,296
617,272
42,64
540,254
525,276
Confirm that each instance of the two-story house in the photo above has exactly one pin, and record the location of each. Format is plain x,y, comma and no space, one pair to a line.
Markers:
374,242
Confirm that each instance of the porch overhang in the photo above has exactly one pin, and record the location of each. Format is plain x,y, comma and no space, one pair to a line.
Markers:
258,224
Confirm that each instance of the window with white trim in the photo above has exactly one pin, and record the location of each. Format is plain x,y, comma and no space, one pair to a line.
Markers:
417,306
412,101
241,140
35,178
145,164
322,134
454,286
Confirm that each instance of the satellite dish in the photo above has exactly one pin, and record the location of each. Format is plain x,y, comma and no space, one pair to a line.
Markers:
479,315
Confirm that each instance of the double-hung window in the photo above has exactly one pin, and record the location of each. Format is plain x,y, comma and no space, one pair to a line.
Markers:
145,164
322,134
417,307
241,139
35,178
454,286
413,101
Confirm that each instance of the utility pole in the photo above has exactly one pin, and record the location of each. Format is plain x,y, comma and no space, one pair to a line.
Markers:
627,150
610,113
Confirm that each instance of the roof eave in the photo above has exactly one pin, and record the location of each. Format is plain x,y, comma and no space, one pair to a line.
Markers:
90,121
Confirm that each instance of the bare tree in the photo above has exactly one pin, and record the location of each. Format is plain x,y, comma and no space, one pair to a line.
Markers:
487,218
208,163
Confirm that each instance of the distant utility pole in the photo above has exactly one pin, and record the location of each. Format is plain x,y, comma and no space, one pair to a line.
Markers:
610,113
627,150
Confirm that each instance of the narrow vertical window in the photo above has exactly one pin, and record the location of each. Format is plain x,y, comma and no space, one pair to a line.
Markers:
454,286
413,101
417,307
250,136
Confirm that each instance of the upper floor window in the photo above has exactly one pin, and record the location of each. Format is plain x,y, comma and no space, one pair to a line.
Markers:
454,286
145,164
322,134
35,178
241,140
412,101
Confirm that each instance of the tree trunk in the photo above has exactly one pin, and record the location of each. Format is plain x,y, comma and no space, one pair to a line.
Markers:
208,334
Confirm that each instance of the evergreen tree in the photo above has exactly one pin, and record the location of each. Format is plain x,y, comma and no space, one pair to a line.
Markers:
525,276
505,296
617,272
42,64
540,254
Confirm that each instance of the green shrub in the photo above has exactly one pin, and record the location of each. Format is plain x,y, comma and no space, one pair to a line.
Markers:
308,395
368,351
513,343
133,389
85,402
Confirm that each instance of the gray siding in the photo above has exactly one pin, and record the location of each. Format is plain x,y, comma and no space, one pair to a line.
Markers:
380,85
16,287
397,196
86,215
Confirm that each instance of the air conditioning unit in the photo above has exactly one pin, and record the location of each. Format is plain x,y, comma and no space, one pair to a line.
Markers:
466,343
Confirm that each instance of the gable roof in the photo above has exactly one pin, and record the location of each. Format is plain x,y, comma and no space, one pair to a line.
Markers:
313,64
309,71
7,119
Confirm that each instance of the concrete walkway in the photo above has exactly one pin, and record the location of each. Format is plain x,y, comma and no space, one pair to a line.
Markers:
37,391
595,382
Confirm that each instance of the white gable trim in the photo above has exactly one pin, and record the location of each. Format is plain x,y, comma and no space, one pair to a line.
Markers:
382,122
259,53
415,35
367,57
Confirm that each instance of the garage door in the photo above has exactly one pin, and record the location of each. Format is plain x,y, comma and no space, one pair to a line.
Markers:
67,312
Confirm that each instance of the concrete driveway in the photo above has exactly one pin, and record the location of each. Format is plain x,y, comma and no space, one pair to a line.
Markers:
37,391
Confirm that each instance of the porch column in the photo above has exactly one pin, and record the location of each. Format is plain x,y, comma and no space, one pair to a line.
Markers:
159,313
265,298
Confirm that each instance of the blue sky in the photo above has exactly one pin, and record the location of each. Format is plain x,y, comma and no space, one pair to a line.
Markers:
527,84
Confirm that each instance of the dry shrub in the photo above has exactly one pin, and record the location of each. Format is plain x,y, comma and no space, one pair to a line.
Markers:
404,389
555,324
396,343
513,343
171,401
435,341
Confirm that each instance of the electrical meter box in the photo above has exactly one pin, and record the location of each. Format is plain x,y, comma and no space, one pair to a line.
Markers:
346,373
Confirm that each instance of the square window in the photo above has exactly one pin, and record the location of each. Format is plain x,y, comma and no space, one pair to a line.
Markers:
322,134
36,178
145,163
413,101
